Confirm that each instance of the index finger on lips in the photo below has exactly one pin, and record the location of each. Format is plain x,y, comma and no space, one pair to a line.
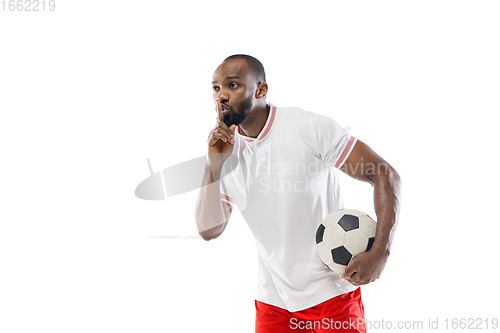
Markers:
219,110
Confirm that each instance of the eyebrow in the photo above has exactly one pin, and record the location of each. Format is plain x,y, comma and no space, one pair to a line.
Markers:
229,78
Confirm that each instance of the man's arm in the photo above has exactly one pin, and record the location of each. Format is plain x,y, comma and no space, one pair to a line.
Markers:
365,165
211,213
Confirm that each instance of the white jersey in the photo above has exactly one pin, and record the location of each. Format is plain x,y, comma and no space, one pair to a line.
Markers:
285,184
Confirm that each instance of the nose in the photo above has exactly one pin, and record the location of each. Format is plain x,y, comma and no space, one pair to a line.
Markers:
223,95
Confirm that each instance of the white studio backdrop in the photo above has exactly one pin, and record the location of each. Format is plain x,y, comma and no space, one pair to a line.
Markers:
90,90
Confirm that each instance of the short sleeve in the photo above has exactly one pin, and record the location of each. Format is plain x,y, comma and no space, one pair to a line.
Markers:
328,140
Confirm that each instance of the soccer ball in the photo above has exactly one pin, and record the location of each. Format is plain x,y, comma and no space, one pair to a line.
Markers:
342,235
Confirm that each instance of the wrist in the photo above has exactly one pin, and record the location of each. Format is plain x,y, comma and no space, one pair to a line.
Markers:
381,249
215,171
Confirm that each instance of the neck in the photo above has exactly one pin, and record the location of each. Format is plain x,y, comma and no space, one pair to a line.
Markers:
255,121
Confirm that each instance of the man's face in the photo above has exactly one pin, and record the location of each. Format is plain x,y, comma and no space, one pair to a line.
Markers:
235,87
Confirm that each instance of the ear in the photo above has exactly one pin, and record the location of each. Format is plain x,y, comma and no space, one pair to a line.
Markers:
261,90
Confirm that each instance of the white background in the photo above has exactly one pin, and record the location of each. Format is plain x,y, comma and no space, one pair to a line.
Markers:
92,89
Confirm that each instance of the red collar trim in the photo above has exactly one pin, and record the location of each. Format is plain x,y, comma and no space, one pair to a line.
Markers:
267,127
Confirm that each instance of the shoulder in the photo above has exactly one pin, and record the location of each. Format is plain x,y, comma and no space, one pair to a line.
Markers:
301,119
299,115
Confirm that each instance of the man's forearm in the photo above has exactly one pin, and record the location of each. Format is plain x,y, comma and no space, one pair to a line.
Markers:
211,213
387,197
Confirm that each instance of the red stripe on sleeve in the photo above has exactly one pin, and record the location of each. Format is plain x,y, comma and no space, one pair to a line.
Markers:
345,152
228,198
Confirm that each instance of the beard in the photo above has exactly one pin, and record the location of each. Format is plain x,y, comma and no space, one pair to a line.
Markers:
237,118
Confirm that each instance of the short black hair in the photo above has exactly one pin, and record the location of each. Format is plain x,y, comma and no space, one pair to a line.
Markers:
254,64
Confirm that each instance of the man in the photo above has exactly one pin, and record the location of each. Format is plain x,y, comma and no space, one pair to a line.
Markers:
279,167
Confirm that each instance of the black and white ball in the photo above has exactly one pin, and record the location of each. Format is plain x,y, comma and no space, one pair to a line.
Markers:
342,235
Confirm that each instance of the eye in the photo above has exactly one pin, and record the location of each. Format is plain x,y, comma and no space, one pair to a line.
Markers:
233,85
215,88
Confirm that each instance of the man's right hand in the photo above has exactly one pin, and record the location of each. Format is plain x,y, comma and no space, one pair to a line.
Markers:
220,141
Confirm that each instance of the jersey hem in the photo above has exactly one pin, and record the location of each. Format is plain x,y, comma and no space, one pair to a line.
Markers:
272,302
309,304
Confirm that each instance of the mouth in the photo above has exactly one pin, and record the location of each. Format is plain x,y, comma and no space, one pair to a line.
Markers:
225,109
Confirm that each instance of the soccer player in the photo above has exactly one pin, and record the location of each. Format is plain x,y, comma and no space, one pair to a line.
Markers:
279,167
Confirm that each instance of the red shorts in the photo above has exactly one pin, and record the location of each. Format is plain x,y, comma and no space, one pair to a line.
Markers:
344,313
